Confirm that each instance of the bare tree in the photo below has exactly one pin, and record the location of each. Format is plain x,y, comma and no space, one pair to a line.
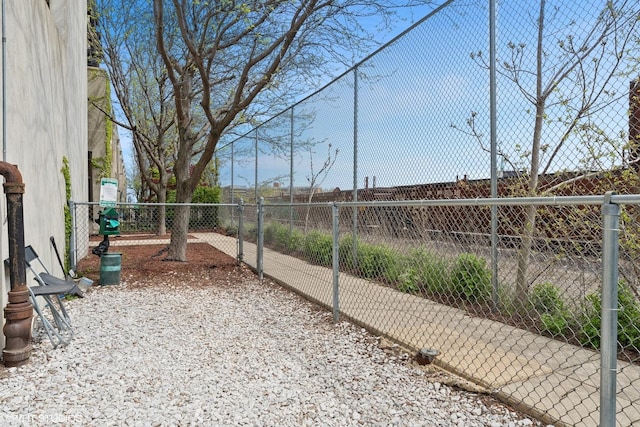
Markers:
143,91
316,178
232,61
571,73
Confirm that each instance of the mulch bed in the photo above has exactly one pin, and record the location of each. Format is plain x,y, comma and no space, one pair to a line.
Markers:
146,261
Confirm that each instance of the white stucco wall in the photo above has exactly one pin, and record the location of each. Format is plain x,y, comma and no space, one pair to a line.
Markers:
46,117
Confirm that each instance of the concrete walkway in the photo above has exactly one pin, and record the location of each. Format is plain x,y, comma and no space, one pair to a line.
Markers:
550,380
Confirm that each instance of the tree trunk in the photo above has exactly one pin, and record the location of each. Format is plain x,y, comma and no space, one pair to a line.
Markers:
306,217
162,214
180,228
179,232
522,283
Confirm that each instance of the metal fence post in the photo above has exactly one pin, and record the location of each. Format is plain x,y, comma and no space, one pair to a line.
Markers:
291,155
494,151
232,188
609,331
255,185
240,230
354,211
260,238
336,262
72,237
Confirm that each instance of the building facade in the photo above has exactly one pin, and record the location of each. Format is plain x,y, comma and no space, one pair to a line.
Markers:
44,120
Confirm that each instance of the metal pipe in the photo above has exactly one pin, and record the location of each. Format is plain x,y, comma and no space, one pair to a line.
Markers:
73,239
260,239
494,152
609,315
240,231
4,84
19,311
255,185
291,153
354,211
336,262
232,188
505,201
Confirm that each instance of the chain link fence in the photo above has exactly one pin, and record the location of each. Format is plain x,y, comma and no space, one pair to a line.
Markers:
139,223
560,116
428,275
477,100
378,184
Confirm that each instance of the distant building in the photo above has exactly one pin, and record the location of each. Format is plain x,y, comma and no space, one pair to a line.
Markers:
104,150
234,194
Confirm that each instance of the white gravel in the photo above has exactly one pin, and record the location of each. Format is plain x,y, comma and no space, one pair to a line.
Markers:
246,354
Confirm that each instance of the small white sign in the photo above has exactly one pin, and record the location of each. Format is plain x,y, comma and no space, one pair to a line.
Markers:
108,192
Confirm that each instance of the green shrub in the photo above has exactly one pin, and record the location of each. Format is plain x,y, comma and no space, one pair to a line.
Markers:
318,248
471,279
628,319
591,320
205,216
296,241
379,262
546,298
200,217
408,281
345,252
555,324
507,302
430,271
373,261
282,238
269,234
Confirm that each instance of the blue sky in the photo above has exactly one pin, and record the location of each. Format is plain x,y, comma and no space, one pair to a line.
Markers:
412,97
414,94
409,95
407,18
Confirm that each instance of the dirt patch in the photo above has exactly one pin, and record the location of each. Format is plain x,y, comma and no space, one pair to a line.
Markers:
143,265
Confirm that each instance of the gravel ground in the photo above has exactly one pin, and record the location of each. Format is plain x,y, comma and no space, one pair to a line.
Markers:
235,354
